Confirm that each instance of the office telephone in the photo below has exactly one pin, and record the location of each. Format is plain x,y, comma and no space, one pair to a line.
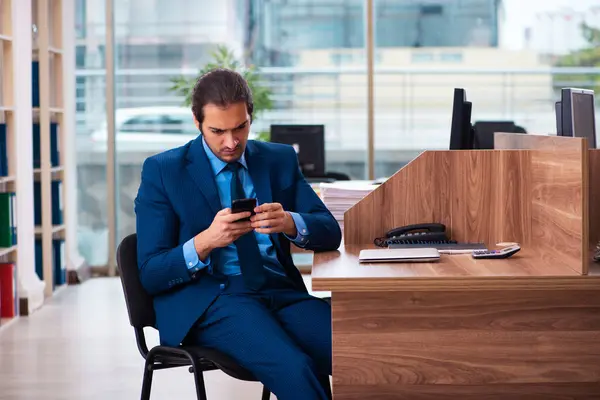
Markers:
433,233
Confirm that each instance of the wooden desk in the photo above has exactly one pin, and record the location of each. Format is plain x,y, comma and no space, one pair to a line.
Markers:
462,328
527,327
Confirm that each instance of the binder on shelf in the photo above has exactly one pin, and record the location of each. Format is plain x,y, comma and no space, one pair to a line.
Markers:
39,259
37,203
7,219
36,146
35,83
57,204
3,151
59,262
54,154
54,138
9,300
13,215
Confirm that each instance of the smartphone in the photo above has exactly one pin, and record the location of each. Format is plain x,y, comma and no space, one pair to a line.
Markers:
241,205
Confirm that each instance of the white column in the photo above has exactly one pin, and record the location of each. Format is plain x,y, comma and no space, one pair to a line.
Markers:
30,286
74,259
111,177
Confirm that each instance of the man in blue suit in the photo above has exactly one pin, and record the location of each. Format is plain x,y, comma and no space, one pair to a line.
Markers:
228,283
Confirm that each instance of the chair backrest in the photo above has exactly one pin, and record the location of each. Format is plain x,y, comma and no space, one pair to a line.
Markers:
338,176
139,302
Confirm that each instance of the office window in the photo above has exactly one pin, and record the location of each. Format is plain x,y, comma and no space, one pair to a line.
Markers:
447,23
427,44
143,124
90,132
290,43
451,57
311,56
422,57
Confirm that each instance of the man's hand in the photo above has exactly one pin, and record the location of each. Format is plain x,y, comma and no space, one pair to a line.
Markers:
224,230
270,218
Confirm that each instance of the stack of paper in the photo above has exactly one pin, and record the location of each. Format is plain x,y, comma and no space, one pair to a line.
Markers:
340,196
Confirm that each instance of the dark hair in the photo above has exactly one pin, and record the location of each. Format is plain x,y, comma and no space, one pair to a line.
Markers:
221,87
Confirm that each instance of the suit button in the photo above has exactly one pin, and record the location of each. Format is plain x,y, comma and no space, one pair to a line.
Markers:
222,286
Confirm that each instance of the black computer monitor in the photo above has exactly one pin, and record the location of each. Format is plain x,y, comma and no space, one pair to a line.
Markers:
309,143
484,132
558,112
461,133
578,114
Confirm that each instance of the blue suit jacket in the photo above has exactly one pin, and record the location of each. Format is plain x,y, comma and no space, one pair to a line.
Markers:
178,199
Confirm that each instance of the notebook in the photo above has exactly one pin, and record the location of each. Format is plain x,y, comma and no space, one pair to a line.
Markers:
399,255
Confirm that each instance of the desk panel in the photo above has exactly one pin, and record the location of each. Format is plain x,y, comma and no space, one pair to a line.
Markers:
396,343
562,391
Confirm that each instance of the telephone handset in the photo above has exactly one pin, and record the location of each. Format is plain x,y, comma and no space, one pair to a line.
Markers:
416,233
423,231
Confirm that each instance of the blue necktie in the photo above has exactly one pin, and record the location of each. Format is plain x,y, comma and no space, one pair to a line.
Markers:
251,264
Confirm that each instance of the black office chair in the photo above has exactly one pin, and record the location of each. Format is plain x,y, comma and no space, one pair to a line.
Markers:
338,176
519,129
141,315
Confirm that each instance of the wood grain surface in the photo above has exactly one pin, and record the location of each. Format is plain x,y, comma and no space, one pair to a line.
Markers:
530,268
532,141
561,196
564,391
526,327
408,311
533,197
468,191
403,342
594,193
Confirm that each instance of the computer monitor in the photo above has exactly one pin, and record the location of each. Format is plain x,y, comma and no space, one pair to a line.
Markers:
484,132
558,112
577,114
309,143
461,133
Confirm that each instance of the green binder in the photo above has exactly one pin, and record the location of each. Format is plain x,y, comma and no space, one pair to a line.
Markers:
7,218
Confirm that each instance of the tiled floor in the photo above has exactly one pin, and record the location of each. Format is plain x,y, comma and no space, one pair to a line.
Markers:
80,346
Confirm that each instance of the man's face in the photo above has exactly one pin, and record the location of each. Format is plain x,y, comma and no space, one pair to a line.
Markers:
226,130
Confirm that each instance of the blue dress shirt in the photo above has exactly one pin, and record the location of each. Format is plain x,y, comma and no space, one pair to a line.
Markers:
228,261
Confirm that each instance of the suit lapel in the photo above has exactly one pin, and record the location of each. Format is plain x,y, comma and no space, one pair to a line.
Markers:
260,173
201,172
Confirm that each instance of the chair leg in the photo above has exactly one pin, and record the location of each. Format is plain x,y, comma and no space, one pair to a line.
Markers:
266,393
199,378
147,382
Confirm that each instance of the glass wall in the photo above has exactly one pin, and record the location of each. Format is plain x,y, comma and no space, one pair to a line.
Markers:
90,132
495,50
425,50
311,56
295,47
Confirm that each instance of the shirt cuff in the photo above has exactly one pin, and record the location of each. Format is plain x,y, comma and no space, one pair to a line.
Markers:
192,261
302,231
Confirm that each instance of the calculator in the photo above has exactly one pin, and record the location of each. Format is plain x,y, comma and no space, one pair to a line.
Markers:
502,253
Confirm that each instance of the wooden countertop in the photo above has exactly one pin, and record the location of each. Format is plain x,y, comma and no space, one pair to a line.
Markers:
527,270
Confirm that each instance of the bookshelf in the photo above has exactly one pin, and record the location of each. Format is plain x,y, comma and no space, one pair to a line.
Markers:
9,304
49,136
